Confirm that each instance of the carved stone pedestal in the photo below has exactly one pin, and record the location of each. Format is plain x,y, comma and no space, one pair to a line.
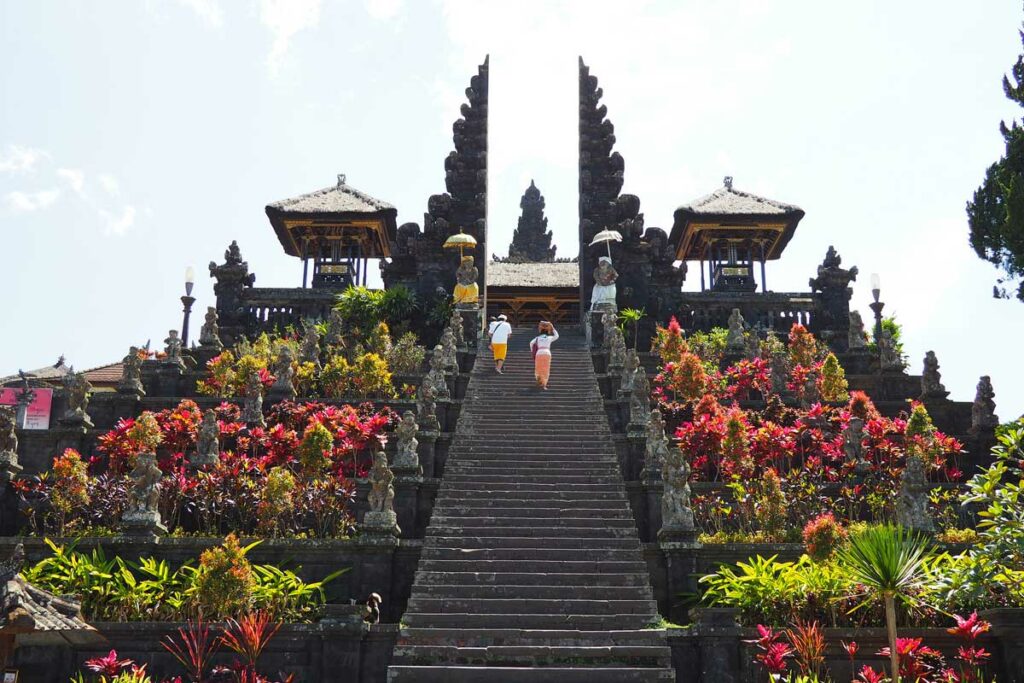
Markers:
144,523
472,320
407,489
427,450
681,576
720,634
380,528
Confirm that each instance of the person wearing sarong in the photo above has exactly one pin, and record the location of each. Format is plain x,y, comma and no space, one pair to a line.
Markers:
541,346
499,331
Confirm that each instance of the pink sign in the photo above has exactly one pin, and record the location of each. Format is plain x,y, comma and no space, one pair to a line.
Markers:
38,414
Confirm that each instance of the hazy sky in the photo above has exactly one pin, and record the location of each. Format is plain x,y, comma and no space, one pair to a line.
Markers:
140,137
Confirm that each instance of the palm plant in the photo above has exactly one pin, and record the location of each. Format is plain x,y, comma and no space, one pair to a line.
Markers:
889,562
633,315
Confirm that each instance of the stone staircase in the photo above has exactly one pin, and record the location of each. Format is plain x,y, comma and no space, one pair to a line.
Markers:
531,567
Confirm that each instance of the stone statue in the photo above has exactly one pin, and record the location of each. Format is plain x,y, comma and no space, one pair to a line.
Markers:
810,394
172,347
77,389
467,291
143,511
455,323
853,445
609,323
640,399
450,351
779,367
207,442
407,455
209,333
131,374
983,412
888,355
753,345
335,329
857,338
426,408
284,373
735,341
931,379
252,408
617,349
631,363
656,449
309,348
436,376
604,294
912,502
381,519
676,513
8,444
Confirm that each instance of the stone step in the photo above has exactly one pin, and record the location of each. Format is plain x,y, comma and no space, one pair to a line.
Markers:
566,606
530,468
429,577
459,494
497,542
578,521
588,622
538,487
505,636
527,554
496,674
534,479
534,655
534,592
538,566
608,503
460,511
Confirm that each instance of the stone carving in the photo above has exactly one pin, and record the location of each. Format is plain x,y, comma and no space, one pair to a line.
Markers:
889,357
407,456
467,291
284,373
640,399
335,329
656,449
531,241
753,345
833,285
779,368
231,279
436,375
426,408
609,323
381,518
172,349
459,332
931,379
735,342
676,513
912,502
143,511
983,412
207,442
810,394
604,294
76,389
209,333
616,349
853,445
309,349
252,407
631,363
131,374
8,443
856,338
450,351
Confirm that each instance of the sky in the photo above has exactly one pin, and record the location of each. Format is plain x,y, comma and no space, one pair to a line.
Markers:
139,137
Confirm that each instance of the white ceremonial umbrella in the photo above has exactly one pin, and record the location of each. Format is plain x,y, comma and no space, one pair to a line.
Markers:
607,236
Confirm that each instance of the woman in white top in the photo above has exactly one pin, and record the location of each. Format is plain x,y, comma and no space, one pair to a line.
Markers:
541,344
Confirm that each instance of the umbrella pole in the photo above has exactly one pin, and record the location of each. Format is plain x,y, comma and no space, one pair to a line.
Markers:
609,245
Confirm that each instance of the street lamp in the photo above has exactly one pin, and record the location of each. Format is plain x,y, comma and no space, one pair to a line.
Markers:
187,301
876,307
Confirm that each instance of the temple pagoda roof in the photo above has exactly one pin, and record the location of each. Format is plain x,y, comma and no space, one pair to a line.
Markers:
336,212
539,275
732,214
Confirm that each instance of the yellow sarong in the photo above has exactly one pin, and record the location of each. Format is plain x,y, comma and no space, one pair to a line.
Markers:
499,351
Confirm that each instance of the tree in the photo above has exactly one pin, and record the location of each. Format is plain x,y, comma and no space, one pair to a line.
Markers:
996,214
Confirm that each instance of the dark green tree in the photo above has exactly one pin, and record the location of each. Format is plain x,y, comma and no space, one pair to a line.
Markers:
996,214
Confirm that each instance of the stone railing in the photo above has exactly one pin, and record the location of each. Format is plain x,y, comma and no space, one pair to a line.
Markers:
775,310
267,308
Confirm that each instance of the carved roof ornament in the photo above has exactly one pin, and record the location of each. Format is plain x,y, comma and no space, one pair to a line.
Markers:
531,241
983,412
831,276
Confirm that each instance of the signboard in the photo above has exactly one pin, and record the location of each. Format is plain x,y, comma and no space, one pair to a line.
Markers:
38,414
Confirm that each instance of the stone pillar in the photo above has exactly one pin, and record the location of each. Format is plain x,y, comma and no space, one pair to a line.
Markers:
427,445
719,632
344,629
1008,629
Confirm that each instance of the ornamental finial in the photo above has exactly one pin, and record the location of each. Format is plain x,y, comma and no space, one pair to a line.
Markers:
727,181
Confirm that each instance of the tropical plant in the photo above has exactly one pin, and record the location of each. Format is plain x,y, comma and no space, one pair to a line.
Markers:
833,380
193,648
669,343
359,308
406,356
397,304
822,536
634,316
888,562
70,484
224,581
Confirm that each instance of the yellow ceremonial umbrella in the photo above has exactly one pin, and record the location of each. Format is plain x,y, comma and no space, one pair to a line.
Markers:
461,241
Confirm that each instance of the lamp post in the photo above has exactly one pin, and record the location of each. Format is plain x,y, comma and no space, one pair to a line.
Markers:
187,301
876,307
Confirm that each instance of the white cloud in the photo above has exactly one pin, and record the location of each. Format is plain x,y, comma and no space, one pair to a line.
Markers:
75,179
383,9
119,224
285,18
19,159
209,11
30,201
109,184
